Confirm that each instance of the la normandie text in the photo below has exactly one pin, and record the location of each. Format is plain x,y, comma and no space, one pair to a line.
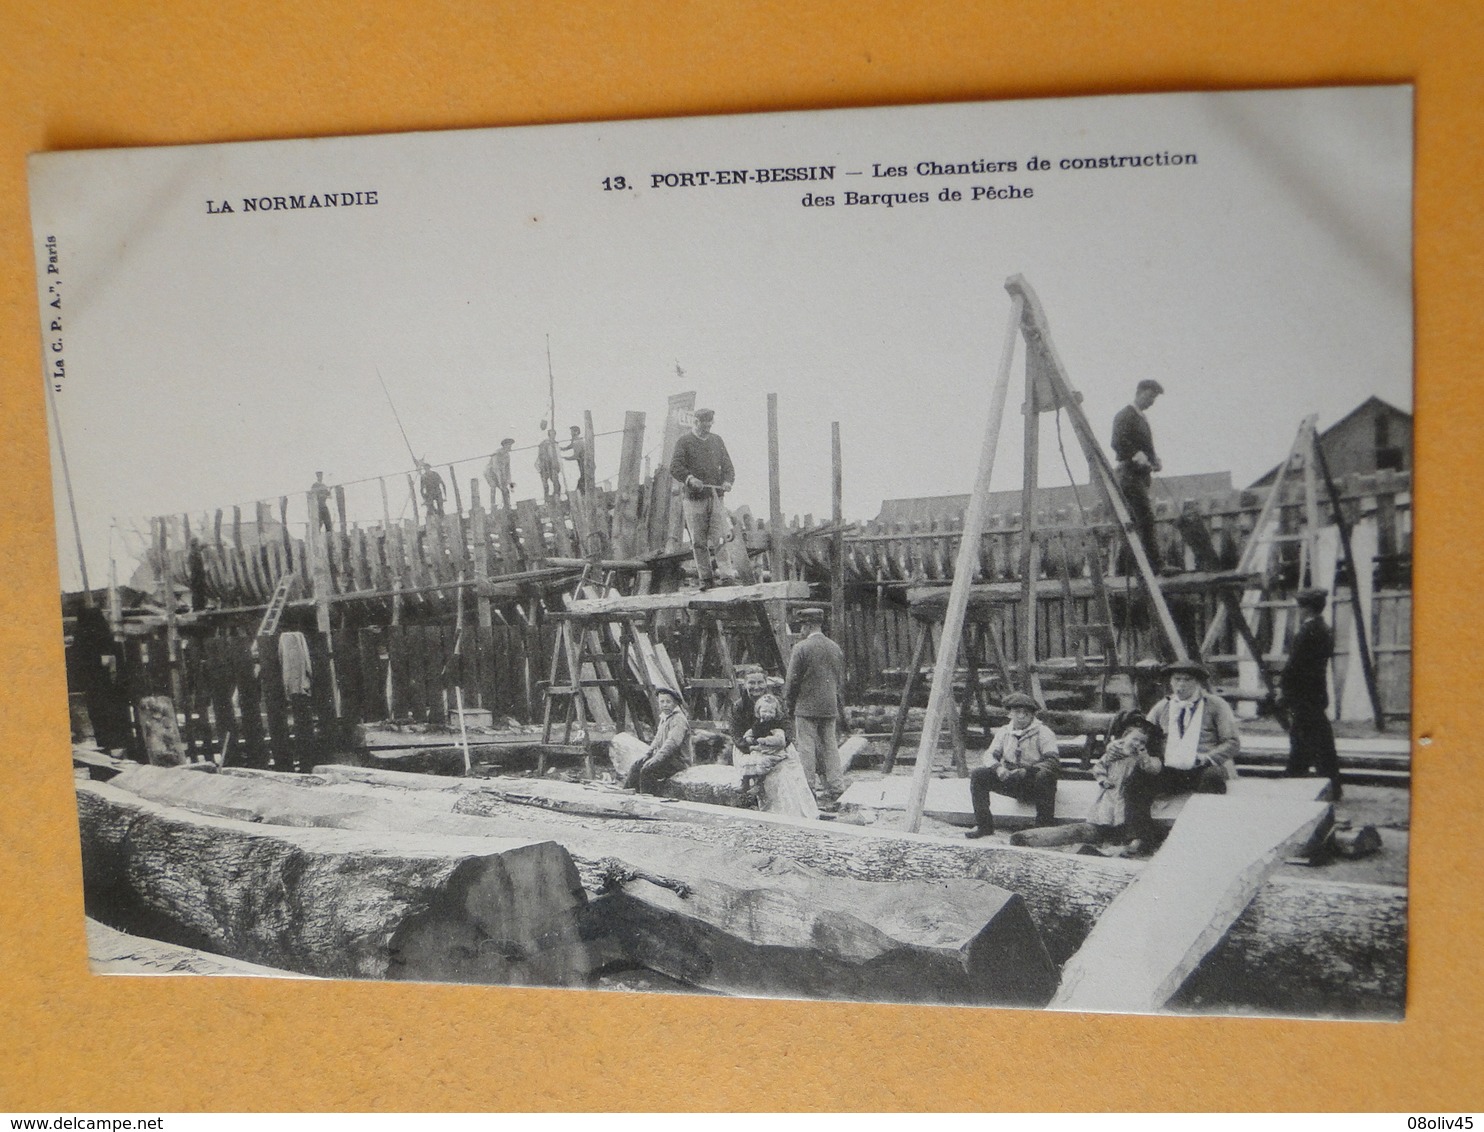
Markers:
293,201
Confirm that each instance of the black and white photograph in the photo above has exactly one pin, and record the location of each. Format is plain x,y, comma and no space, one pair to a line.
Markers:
949,554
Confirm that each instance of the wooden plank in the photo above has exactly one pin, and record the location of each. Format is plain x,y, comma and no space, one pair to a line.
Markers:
711,599
1155,934
626,540
948,798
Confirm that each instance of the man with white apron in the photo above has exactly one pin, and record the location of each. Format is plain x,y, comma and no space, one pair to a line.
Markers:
1201,739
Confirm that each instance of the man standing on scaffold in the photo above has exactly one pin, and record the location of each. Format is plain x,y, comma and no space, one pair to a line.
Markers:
705,471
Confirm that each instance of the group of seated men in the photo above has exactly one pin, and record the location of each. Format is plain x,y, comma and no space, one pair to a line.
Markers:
805,714
1187,743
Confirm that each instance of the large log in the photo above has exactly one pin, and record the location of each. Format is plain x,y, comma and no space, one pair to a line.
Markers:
1302,945
112,952
711,917
1337,949
330,902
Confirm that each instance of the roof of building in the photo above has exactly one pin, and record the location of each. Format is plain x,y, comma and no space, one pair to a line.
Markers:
942,508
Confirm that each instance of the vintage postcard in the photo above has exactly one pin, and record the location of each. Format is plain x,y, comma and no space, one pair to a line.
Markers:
942,554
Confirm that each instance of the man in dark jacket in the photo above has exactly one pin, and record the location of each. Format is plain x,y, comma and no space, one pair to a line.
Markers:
704,469
1133,445
1304,687
814,694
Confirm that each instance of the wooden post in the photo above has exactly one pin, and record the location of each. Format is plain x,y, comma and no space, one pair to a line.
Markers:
319,567
1030,556
837,540
172,634
626,506
1361,614
966,566
682,405
480,531
775,497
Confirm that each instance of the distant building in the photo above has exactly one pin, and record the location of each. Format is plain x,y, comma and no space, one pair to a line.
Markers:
1373,437
945,508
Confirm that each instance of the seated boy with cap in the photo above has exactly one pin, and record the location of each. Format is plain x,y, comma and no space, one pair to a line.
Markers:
1022,762
670,750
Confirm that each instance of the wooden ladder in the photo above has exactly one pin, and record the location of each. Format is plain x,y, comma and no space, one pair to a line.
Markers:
269,625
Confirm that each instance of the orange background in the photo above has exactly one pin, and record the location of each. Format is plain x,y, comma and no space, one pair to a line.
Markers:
84,74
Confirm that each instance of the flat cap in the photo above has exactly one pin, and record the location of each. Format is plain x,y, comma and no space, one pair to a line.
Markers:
812,613
1021,700
1312,598
705,414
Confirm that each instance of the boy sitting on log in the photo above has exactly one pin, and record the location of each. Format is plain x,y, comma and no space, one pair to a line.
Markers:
670,750
1023,763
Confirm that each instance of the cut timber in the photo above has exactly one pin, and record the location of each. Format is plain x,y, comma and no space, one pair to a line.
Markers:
763,925
1160,928
1339,949
948,798
707,915
330,902
113,952
692,599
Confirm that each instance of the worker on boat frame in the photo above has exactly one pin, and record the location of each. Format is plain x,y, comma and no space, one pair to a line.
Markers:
704,469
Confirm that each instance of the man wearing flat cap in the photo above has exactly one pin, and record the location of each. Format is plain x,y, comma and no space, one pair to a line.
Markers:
705,472
1201,737
1304,687
1022,762
669,751
814,694
1133,445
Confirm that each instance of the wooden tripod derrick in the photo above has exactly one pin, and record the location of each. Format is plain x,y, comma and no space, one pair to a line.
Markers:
1268,608
1047,389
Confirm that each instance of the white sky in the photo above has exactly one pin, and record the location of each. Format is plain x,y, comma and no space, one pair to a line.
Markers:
217,359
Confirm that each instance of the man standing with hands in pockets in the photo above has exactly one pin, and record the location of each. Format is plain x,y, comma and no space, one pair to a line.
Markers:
814,693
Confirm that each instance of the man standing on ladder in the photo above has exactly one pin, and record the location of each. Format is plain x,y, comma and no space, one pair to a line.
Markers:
1133,445
705,471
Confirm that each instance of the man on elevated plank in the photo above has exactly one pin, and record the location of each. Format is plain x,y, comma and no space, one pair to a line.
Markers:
1133,445
705,471
1201,742
669,751
498,473
1304,686
1022,762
